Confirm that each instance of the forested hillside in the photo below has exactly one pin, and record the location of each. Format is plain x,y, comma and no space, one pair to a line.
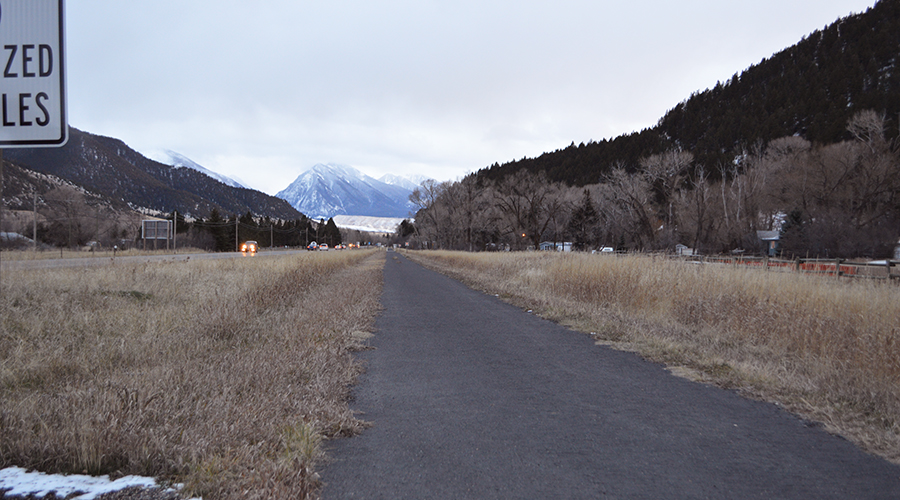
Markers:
811,89
803,145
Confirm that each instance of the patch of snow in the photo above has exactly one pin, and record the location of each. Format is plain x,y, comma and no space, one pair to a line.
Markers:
4,236
409,182
20,482
178,160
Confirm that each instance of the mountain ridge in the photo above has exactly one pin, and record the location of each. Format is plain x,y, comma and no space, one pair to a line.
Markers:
178,160
327,190
109,166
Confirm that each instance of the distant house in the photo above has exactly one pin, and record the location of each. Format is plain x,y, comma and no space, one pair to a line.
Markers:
897,251
564,246
768,242
683,250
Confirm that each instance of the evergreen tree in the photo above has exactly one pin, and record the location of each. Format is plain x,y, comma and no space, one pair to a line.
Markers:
216,226
330,234
181,226
249,229
405,228
583,224
229,244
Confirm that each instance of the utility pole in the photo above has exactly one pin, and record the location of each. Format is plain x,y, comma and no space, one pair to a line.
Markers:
1,191
34,225
237,246
272,236
174,230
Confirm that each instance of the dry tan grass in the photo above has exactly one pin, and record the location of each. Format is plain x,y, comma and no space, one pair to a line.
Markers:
17,255
825,348
224,375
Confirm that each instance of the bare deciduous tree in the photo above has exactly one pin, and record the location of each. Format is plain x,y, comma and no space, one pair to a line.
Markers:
632,198
528,203
665,173
428,219
696,210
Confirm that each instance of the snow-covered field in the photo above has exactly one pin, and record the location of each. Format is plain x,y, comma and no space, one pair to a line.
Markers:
20,482
370,224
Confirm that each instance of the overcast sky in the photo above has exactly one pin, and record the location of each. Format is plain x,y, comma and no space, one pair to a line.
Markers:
262,91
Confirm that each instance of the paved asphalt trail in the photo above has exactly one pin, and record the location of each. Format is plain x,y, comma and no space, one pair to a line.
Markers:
473,398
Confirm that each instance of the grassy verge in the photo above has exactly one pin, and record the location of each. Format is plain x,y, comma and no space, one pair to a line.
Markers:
223,375
17,255
826,349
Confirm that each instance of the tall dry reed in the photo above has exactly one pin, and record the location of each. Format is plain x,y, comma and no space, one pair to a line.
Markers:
224,375
826,348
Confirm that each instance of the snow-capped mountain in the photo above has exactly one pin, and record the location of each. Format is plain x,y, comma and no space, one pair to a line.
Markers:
177,160
109,167
328,190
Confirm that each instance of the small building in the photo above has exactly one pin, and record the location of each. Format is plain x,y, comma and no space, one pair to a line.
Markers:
768,242
897,251
565,246
683,250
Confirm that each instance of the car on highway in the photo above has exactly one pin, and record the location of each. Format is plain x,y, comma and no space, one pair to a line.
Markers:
249,246
312,246
323,246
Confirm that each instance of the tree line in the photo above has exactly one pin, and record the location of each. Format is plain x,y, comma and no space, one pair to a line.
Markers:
834,200
220,234
68,219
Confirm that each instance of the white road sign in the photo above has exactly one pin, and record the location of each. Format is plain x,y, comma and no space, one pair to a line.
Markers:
32,61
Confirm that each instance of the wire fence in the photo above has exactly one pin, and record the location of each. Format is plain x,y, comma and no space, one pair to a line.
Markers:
879,270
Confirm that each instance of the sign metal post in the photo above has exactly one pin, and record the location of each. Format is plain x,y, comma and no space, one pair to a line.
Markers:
32,76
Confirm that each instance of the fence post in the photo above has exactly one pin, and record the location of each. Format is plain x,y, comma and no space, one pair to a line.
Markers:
837,267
